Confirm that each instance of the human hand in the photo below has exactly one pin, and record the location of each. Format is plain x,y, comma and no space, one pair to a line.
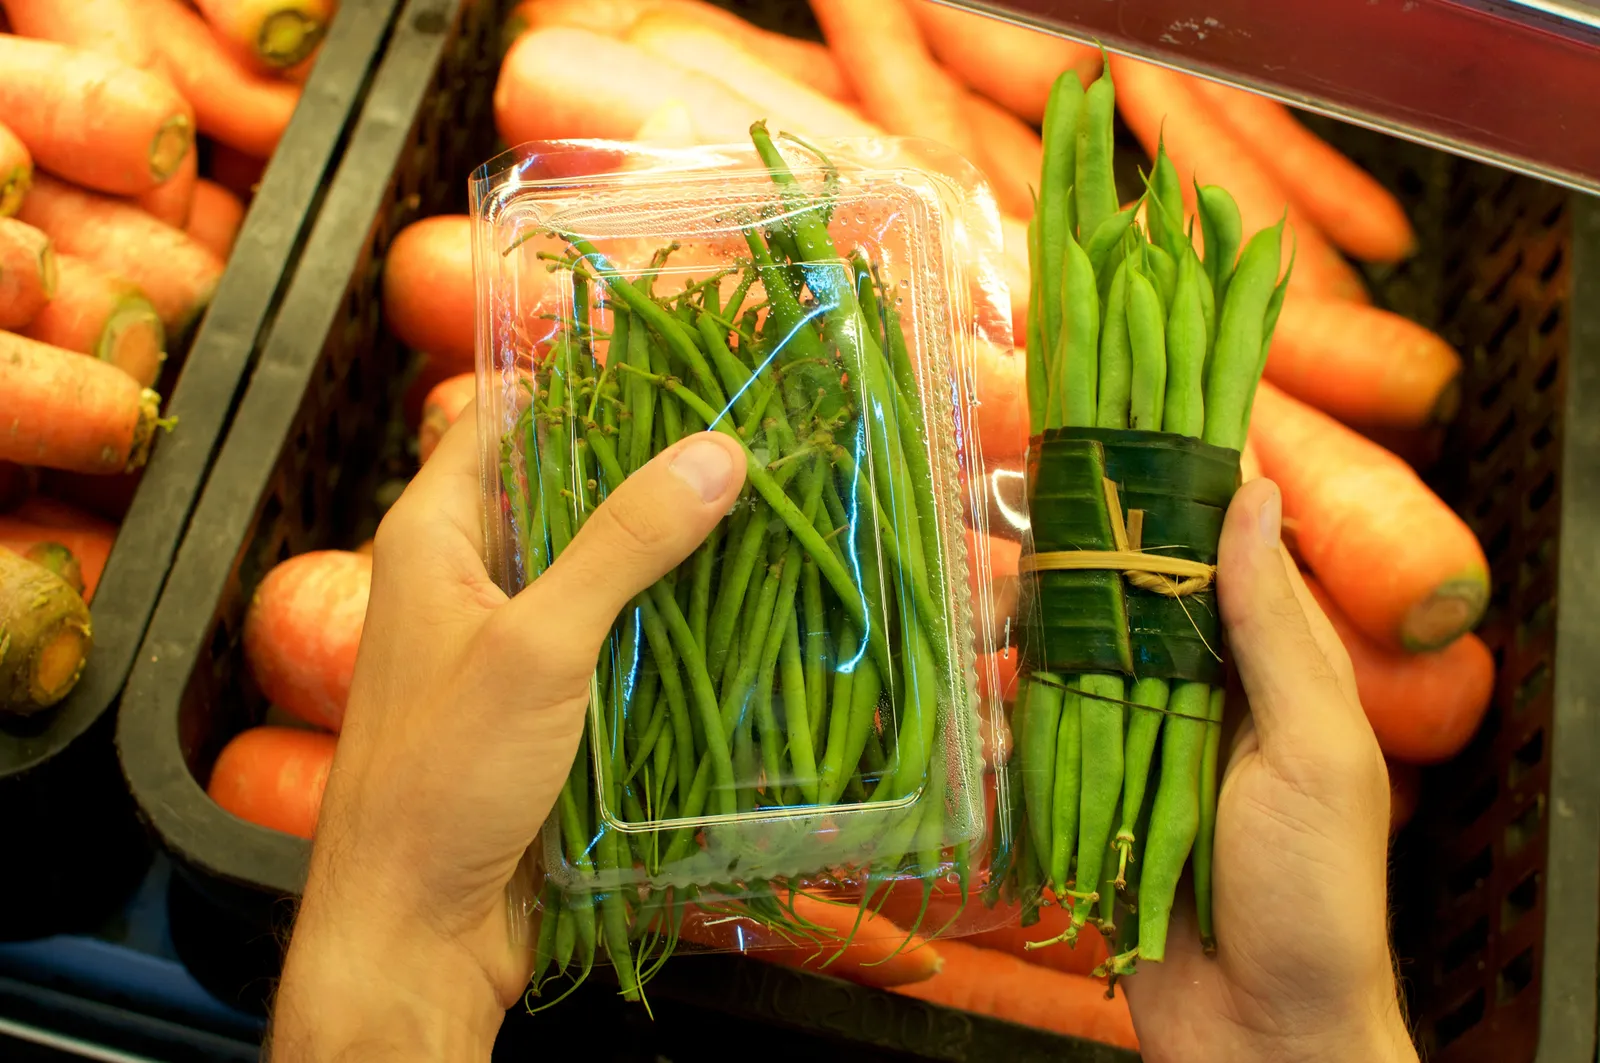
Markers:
463,720
1303,969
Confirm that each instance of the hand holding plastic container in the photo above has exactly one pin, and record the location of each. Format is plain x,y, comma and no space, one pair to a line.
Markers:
794,708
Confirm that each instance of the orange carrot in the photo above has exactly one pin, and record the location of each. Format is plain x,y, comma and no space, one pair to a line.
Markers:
235,170
1399,563
1015,232
445,403
1343,200
96,313
27,272
47,635
997,984
1002,415
176,274
1424,707
1009,153
273,34
789,104
1363,365
905,900
16,171
215,219
302,629
1205,148
172,200
91,118
1004,686
536,97
884,60
805,61
110,27
878,953
64,411
232,104
274,777
45,520
1011,65
1405,792
429,302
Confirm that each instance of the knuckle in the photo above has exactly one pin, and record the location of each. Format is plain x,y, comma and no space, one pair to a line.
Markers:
631,526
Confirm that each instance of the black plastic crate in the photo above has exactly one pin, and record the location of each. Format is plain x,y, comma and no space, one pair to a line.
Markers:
67,825
1496,904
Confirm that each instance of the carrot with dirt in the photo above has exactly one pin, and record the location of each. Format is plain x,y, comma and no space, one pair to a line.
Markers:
1339,197
273,34
1158,103
16,171
302,629
231,104
274,777
93,119
1012,65
173,199
884,60
99,314
801,60
61,410
1001,985
175,273
1365,366
788,103
112,28
1401,565
215,218
57,560
47,636
41,521
444,405
1424,707
28,272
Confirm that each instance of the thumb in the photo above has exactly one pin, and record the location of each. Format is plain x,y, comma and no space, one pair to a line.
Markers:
644,528
1292,683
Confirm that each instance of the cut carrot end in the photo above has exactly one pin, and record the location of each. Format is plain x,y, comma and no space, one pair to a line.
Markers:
47,270
172,142
135,342
13,186
287,37
1446,614
58,664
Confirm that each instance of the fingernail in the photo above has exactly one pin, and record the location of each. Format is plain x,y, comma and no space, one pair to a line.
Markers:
704,466
1271,519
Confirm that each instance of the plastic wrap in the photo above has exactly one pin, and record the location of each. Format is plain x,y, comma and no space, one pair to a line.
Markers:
795,709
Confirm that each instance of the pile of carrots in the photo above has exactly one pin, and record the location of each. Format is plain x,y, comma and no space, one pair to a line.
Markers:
132,133
1401,576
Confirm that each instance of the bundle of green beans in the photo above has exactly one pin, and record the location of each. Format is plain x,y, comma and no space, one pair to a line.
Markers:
801,658
1134,338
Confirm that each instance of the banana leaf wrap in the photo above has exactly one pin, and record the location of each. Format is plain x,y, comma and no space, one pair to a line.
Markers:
1096,621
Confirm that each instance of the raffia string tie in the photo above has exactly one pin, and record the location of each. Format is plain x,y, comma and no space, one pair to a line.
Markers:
1150,572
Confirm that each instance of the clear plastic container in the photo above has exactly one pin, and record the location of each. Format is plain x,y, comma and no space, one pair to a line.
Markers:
796,707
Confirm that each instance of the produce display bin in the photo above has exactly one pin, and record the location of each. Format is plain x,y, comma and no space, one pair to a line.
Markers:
72,843
1497,886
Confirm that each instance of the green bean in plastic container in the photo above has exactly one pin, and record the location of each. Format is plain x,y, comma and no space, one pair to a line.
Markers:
785,745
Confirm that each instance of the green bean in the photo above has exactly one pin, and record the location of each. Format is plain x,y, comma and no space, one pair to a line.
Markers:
1269,325
915,443
832,781
736,300
1106,889
1056,215
1237,360
1116,364
1205,838
1175,817
911,574
544,949
1039,706
864,695
1144,728
1077,356
1095,187
796,702
671,416
1184,409
1208,311
737,572
652,724
672,686
1161,271
1106,239
867,296
1067,750
733,373
1006,823
1147,341
1222,230
705,562
1038,353
1168,227
566,932
816,648
1102,783
734,709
